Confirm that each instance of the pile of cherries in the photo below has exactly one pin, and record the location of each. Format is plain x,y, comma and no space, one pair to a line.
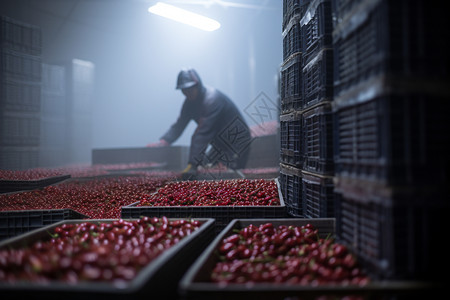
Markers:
233,192
76,171
94,251
32,174
284,254
100,198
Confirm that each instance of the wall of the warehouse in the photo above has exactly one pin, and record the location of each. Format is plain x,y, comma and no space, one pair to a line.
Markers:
137,57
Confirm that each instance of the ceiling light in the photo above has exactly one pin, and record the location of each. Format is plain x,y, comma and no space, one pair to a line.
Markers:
184,16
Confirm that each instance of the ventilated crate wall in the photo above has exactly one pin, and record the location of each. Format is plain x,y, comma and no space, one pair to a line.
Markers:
317,81
389,108
291,86
291,139
292,39
54,119
306,93
400,38
14,223
20,94
290,179
392,230
316,28
318,196
293,9
318,140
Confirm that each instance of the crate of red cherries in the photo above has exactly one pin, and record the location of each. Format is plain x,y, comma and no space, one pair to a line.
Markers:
290,258
223,200
101,258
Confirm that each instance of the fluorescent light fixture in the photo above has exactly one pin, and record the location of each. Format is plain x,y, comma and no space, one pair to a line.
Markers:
184,16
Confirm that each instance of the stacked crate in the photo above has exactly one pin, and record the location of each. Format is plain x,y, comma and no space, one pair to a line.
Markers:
79,92
391,133
53,151
20,88
306,152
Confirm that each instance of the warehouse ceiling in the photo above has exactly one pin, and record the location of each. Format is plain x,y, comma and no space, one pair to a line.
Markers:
100,14
63,20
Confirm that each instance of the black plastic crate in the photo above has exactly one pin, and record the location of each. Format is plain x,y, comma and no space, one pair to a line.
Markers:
290,180
317,28
19,128
19,158
20,96
318,139
222,214
395,232
395,38
396,138
17,222
293,9
318,196
318,79
7,186
291,89
19,36
20,66
160,277
196,284
291,139
292,41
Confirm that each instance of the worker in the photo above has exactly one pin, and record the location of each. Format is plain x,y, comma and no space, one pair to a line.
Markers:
222,136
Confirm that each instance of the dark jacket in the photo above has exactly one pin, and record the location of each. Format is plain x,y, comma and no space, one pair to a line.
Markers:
220,125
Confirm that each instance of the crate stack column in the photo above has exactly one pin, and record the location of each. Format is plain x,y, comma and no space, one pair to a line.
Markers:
291,152
306,169
391,134
20,90
79,92
53,151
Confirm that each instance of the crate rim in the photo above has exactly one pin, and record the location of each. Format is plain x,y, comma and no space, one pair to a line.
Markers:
280,196
101,287
189,275
41,211
187,285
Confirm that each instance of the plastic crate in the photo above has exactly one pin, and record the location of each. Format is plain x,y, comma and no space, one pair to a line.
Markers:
20,66
395,232
159,277
318,196
396,38
318,139
222,214
395,138
293,9
195,284
290,180
291,90
317,28
291,139
318,79
20,96
14,223
19,158
175,157
7,186
19,128
292,41
19,36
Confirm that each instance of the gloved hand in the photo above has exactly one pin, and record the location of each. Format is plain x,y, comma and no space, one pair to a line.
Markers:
161,143
189,173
